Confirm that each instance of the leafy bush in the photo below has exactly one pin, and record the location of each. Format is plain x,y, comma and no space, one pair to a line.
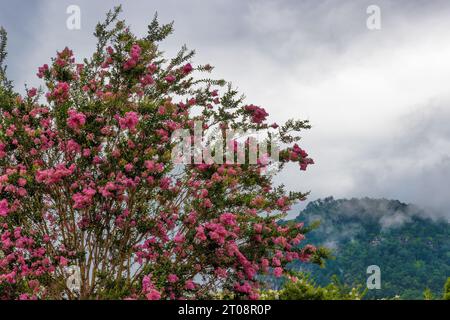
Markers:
302,287
447,290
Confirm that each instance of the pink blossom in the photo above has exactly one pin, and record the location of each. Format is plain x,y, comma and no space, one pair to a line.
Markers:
86,152
128,167
135,54
221,272
152,68
4,208
281,202
42,70
153,295
172,278
228,219
187,68
61,92
83,199
24,296
22,182
32,92
135,51
244,288
63,261
170,78
278,272
189,285
258,114
179,238
276,262
147,80
161,110
129,121
72,146
258,227
2,150
200,235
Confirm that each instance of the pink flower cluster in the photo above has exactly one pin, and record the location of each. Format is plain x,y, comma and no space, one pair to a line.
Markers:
32,92
258,114
170,78
147,80
55,175
84,198
2,150
60,93
187,68
129,121
149,290
4,208
76,119
14,266
135,54
42,70
298,154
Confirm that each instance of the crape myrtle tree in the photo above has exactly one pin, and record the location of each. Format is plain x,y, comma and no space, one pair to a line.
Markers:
87,181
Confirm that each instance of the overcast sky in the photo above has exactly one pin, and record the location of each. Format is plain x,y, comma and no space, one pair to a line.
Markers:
378,100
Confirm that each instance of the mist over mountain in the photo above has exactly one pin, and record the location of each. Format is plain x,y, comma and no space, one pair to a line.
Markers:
412,250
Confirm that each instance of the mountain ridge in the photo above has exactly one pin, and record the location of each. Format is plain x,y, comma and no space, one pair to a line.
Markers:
411,249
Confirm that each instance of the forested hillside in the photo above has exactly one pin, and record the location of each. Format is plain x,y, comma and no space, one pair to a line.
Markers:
412,251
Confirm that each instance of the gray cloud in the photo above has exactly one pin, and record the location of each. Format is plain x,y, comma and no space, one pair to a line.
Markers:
377,100
416,163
